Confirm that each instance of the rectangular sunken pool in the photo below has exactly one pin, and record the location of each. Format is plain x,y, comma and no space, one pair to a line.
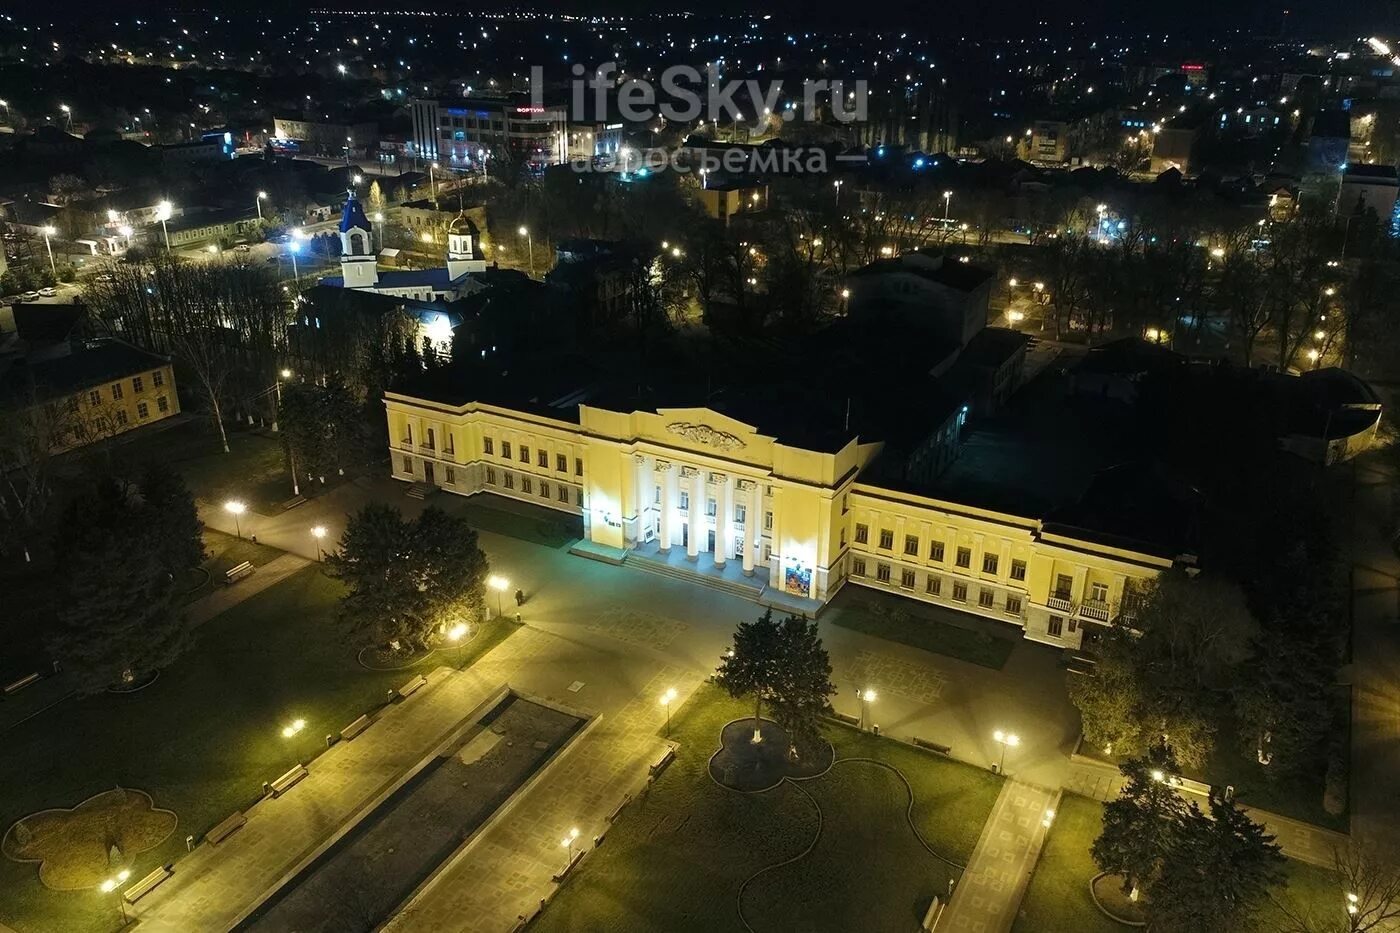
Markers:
357,883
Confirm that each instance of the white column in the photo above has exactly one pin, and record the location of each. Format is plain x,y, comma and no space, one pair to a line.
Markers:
697,515
668,504
724,506
642,496
753,527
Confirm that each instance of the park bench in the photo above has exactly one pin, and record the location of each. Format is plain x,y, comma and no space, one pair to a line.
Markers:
935,913
617,811
662,762
293,502
225,829
147,884
409,688
931,746
847,718
20,684
238,572
356,727
288,780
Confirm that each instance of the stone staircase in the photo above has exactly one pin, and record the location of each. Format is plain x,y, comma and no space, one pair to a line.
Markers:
750,591
420,490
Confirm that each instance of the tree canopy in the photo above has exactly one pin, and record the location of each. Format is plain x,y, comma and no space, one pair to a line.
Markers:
783,663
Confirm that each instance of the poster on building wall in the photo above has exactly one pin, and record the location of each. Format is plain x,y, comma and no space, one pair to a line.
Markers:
797,580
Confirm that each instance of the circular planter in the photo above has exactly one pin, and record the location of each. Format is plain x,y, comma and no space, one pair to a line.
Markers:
140,683
1107,891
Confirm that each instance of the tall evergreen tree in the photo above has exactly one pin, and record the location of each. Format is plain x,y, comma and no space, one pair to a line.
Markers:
169,510
1139,823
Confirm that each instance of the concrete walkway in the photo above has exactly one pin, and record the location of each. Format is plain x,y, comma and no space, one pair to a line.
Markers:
502,873
988,897
226,596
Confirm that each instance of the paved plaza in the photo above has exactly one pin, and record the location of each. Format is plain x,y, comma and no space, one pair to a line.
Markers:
989,894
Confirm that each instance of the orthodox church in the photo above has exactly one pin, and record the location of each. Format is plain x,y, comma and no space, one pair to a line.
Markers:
359,266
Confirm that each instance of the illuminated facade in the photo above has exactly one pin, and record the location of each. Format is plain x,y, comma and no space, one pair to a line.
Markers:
802,522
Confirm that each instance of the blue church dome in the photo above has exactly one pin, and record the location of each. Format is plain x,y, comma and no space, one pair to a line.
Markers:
353,215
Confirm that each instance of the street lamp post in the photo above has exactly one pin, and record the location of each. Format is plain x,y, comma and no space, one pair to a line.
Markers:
319,533
432,178
257,202
667,699
458,636
500,585
163,212
1005,740
568,843
529,238
277,384
111,884
867,698
236,508
837,185
947,202
293,248
67,112
48,232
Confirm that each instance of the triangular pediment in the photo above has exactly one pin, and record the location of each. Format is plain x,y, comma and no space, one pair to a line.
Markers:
706,427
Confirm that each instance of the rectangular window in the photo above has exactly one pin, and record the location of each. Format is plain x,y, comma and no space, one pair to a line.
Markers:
1018,570
882,573
526,484
933,586
935,551
143,410
162,404
121,416
1063,584
543,460
906,579
561,463
430,442
886,539
488,446
711,507
964,557
94,397
858,567
138,384
960,591
578,466
1073,624
741,512
544,490
911,544
563,493
505,449
116,391
862,533
1013,605
578,497
1098,592
685,501
843,537
985,598
656,500
524,454
989,563
490,476
508,480
451,476
767,521
1056,626
408,464
157,378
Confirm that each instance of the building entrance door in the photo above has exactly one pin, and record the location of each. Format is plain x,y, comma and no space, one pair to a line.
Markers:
428,472
685,534
711,542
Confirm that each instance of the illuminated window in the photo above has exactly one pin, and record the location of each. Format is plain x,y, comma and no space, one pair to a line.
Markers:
488,446
862,533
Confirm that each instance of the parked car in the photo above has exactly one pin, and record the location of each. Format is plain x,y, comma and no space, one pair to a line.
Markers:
242,248
29,296
48,291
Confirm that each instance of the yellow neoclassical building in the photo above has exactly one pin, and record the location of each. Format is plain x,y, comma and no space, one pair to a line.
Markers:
711,495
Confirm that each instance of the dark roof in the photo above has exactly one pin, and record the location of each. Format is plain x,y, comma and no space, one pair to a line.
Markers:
353,215
992,346
959,276
1371,172
47,323
1136,505
91,364
1129,356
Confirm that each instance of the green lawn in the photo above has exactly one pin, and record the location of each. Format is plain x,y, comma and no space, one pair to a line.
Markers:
676,858
921,625
535,524
201,739
224,551
1058,895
